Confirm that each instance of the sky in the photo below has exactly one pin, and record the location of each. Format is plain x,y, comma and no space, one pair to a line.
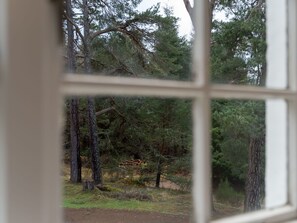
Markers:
179,10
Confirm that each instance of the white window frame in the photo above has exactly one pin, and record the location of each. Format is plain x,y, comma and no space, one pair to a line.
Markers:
31,94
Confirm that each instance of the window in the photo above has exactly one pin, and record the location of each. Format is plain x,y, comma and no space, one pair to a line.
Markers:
30,113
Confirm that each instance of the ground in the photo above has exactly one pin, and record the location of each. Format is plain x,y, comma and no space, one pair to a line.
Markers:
96,215
127,201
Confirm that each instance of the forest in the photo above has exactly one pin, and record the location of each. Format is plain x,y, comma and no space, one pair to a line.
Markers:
111,143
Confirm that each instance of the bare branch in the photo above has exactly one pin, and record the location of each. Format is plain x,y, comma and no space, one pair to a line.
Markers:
113,29
100,32
105,111
109,109
212,4
257,7
189,9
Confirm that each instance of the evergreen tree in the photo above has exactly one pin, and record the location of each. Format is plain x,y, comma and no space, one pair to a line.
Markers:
238,57
114,38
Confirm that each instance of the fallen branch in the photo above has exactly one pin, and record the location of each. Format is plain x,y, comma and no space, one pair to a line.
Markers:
104,111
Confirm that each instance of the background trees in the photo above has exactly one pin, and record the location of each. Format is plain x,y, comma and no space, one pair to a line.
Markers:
238,57
115,38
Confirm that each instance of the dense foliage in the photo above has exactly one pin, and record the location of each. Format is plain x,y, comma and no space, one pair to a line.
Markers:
124,41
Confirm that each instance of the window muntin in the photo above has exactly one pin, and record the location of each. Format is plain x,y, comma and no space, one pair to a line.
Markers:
202,92
49,199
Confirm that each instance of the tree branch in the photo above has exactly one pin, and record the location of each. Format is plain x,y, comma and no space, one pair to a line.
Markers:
113,29
109,109
105,111
189,9
212,7
76,29
100,32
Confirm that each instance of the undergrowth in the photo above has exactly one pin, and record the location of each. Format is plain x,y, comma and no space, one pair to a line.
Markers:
128,198
226,194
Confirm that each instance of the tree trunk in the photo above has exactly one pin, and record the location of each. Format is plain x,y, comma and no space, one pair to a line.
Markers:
94,147
75,168
88,185
75,161
158,178
95,154
253,181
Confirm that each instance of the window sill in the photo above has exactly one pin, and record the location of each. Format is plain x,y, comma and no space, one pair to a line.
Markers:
278,215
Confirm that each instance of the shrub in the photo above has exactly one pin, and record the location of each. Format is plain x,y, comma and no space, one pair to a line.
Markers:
226,194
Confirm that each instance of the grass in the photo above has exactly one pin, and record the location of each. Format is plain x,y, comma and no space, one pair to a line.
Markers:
128,198
129,194
227,195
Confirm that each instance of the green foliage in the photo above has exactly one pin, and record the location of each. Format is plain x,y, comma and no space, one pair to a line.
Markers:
234,124
124,41
147,44
172,53
226,194
238,48
143,44
238,43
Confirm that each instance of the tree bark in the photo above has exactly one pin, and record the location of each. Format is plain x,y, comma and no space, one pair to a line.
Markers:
253,181
158,178
190,10
94,147
88,185
95,153
75,168
75,161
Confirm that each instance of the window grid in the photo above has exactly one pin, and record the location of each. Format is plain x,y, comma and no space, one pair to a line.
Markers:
48,204
202,93
77,84
86,84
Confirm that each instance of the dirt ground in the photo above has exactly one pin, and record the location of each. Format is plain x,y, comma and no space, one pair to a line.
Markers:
119,216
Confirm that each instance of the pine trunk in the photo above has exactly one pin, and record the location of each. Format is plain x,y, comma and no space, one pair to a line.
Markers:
75,168
95,155
75,161
94,147
253,181
158,178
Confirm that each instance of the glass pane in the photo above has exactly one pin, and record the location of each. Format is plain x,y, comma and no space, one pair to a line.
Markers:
276,188
146,39
238,43
249,156
136,167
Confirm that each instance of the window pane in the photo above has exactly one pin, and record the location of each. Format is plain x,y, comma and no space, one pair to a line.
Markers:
249,156
238,43
238,151
144,156
146,39
243,33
